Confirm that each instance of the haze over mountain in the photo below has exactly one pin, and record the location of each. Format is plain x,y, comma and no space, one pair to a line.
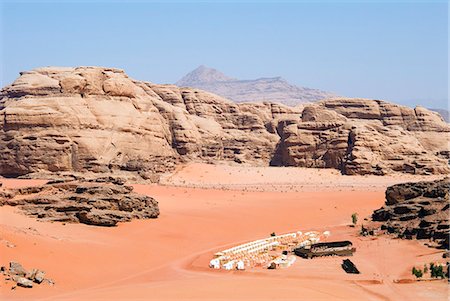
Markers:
274,89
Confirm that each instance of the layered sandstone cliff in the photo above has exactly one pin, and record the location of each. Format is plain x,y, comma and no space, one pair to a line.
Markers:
361,136
98,119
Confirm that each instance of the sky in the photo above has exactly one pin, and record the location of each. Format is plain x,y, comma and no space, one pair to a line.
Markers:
397,51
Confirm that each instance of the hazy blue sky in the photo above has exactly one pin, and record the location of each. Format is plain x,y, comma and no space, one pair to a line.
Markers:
384,50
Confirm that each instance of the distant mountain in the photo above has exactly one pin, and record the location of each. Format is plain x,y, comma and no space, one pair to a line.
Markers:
274,89
444,113
203,75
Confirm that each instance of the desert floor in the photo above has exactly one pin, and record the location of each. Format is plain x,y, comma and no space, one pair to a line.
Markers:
205,208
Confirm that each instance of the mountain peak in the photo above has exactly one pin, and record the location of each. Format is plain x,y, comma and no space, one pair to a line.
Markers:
202,75
275,89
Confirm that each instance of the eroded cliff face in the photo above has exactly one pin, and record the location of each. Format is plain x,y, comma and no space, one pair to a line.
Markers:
417,210
98,119
361,136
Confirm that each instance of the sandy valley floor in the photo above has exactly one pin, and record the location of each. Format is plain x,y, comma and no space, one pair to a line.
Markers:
205,208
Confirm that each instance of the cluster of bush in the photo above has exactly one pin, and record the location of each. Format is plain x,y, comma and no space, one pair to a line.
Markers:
417,272
436,271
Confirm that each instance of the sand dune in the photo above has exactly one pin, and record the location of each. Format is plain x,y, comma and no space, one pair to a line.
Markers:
166,258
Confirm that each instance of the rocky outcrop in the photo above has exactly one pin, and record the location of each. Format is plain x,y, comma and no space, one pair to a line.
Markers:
88,203
97,119
418,210
23,278
92,119
445,113
360,136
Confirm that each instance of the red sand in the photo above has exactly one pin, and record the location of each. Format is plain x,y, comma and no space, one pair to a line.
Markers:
166,258
281,179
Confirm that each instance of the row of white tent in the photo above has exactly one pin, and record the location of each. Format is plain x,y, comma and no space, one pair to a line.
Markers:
222,259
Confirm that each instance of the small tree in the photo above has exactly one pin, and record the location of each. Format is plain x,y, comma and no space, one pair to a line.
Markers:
432,270
436,271
417,272
425,268
273,234
354,218
440,272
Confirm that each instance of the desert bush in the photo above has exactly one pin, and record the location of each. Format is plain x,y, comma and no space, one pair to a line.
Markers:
354,218
417,272
436,271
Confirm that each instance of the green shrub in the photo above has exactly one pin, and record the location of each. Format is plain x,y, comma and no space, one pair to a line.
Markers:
437,271
354,218
417,272
440,272
432,270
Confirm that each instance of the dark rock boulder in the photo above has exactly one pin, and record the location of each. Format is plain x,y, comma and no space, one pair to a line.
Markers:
381,215
399,193
417,210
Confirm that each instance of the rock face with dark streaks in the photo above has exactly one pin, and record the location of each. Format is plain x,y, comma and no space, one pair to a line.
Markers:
418,210
93,119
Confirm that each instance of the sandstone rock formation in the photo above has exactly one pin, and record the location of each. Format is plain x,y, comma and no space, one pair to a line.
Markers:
22,277
360,136
274,89
87,203
445,114
99,120
418,210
